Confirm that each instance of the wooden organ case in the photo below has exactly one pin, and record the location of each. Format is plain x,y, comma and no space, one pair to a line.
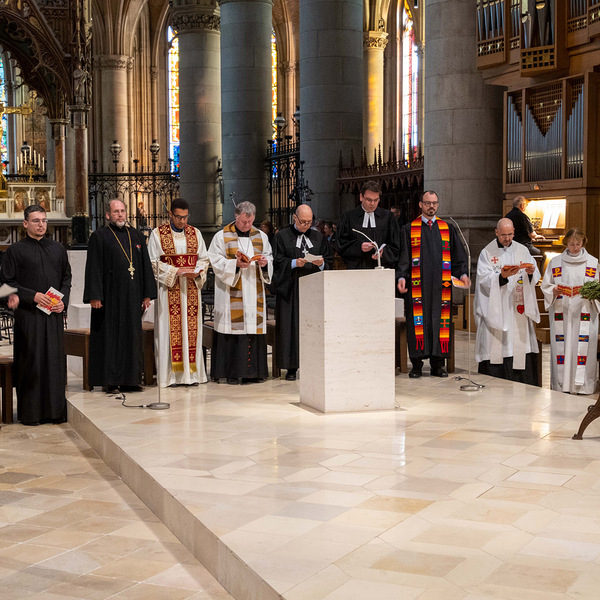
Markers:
546,53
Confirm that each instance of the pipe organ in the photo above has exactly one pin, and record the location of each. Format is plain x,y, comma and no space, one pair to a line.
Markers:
546,55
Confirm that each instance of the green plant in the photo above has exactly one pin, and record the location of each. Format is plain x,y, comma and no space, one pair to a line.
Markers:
590,290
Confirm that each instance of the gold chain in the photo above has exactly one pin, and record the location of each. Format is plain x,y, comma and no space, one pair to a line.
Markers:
131,268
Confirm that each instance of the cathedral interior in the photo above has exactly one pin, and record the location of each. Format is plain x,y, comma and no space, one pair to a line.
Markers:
282,102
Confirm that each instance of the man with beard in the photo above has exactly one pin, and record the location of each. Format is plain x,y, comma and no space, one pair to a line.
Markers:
119,285
292,244
506,308
33,266
432,254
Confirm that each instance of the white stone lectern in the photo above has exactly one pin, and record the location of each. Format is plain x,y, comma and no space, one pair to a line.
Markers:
347,332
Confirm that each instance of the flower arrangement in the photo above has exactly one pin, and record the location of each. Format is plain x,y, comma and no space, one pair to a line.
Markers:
590,290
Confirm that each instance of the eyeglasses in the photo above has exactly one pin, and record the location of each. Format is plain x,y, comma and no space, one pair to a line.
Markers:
429,203
38,221
305,222
180,217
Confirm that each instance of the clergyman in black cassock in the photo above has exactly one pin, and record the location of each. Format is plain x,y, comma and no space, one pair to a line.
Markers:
431,284
119,284
33,265
375,222
291,245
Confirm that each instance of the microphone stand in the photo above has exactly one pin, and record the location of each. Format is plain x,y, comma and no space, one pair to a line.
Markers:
376,246
160,405
471,386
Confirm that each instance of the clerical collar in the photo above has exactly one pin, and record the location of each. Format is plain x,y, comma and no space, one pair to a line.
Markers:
176,229
116,227
242,233
297,232
502,245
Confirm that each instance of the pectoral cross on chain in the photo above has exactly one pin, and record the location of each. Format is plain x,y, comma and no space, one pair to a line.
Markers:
131,270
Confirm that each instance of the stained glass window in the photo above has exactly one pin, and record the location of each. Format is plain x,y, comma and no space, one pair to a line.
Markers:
273,79
173,82
4,121
410,74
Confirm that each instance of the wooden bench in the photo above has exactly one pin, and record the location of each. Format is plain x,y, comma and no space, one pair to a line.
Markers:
77,343
6,384
402,347
207,340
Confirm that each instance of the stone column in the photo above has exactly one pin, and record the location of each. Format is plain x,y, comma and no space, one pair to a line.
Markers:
288,71
198,26
114,118
331,88
59,132
374,47
463,124
246,27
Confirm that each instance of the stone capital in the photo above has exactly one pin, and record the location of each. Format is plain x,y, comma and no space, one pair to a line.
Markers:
195,15
288,66
246,2
116,62
375,40
59,128
153,73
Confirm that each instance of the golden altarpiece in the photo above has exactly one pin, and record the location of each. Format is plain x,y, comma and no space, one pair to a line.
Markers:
546,53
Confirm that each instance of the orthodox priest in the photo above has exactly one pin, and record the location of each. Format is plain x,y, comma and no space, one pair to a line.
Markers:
292,245
38,268
377,224
431,256
119,285
506,308
242,261
180,260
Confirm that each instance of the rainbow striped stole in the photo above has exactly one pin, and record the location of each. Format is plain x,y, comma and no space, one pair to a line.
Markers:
416,289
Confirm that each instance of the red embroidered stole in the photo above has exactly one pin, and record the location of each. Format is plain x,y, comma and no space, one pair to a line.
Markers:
416,290
170,257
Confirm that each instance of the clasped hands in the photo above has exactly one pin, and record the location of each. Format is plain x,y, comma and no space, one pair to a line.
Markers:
46,302
188,272
300,262
243,264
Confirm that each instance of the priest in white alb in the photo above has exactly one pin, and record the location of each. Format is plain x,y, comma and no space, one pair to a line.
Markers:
573,319
242,261
180,260
506,308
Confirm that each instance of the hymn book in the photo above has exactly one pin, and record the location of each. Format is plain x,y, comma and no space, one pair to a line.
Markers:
244,258
55,297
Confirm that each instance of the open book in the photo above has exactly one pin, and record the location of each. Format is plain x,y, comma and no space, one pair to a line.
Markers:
245,258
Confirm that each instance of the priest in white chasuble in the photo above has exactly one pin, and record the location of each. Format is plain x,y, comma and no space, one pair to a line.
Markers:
180,260
573,318
506,308
242,261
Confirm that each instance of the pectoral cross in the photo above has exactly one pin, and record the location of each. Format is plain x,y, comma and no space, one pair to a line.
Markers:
131,270
494,259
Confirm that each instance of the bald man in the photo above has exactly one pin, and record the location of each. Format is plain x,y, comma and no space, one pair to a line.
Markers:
293,247
506,308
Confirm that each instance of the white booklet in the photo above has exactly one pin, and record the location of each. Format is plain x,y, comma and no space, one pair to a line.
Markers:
311,257
55,298
7,290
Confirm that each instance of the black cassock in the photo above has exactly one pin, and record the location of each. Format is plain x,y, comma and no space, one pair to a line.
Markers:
116,356
286,284
385,232
40,365
431,284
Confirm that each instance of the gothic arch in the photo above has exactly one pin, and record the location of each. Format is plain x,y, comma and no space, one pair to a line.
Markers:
26,35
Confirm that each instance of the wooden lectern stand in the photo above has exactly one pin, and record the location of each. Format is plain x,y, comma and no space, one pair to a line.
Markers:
347,321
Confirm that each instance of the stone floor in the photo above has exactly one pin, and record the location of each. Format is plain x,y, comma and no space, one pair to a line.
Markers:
453,496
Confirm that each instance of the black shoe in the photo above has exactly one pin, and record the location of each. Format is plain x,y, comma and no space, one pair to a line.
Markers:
111,389
32,424
415,373
291,375
247,380
439,372
233,381
131,388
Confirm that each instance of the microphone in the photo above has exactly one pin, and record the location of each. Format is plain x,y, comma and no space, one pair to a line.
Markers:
471,386
374,244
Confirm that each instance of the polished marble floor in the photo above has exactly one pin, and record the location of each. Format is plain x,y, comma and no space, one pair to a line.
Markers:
454,495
